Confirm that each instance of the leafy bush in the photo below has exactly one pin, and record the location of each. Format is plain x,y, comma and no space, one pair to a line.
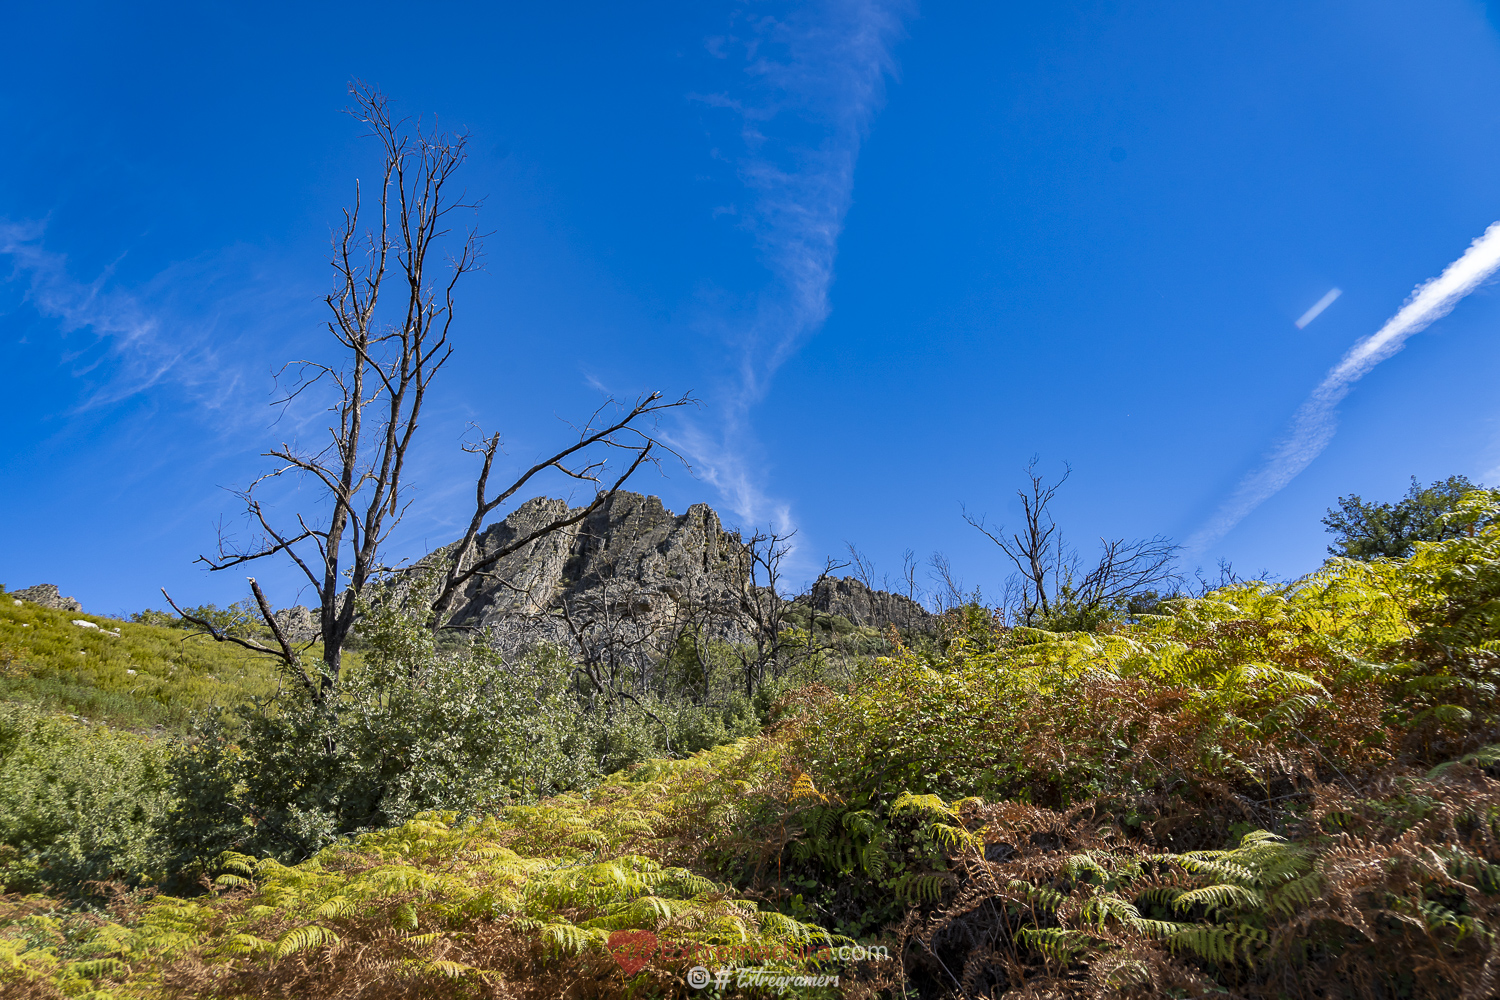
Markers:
414,729
417,728
81,803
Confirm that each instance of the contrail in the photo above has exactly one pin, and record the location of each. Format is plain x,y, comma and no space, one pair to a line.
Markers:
1315,421
1318,307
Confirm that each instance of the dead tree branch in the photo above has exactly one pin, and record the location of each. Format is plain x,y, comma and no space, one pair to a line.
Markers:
1052,580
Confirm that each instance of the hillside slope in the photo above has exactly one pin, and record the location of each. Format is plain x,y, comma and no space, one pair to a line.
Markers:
1266,792
127,674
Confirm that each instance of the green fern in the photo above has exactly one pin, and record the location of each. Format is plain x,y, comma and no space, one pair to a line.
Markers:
300,939
1222,943
1056,944
921,888
1217,898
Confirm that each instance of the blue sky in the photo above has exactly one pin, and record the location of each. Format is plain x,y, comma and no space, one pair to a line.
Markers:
896,249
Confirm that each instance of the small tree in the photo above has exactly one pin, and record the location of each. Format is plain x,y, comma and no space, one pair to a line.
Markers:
390,313
1370,530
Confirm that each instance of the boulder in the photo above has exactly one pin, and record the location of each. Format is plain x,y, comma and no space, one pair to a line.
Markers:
48,596
862,605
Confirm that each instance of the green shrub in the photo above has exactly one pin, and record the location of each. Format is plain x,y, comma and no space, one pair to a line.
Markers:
80,803
415,729
421,726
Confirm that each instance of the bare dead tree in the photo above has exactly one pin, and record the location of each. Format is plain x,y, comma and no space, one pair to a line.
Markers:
909,586
620,640
863,565
1125,568
950,590
830,566
381,380
391,312
1051,574
1227,577
903,615
1035,549
707,619
764,608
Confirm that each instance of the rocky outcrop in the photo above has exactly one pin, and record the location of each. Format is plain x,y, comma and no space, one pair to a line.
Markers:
48,596
627,569
852,599
632,555
297,623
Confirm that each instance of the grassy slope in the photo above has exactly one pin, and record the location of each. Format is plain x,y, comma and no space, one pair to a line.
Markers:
1236,798
47,661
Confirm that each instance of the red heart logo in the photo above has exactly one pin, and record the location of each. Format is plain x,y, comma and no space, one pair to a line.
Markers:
632,949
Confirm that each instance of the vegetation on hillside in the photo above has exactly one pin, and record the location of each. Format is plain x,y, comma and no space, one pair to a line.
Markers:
1264,791
129,674
80,802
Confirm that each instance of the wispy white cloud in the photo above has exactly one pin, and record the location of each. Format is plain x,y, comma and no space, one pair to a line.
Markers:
1316,420
129,341
813,81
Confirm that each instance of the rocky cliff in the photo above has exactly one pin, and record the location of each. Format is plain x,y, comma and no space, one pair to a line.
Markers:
632,552
862,605
635,560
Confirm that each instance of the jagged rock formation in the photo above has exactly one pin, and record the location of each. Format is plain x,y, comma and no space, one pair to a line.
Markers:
632,553
634,565
852,599
297,623
48,596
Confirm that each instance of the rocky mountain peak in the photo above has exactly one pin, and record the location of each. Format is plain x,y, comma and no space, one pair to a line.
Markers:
639,559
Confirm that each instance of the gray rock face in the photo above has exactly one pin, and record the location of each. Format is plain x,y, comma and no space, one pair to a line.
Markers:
632,554
853,600
628,568
297,623
48,596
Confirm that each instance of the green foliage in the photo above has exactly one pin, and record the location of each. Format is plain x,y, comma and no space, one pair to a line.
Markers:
242,618
418,727
415,729
1314,671
1086,812
81,803
443,900
1371,530
125,673
164,619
